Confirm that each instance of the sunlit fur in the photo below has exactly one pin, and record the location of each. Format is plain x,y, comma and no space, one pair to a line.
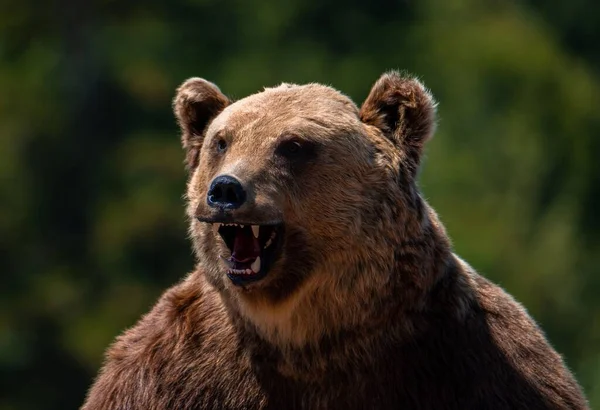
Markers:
366,308
343,212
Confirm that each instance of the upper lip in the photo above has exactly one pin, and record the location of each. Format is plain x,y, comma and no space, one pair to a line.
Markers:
225,219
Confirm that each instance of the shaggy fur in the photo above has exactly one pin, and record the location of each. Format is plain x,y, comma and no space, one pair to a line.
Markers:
367,308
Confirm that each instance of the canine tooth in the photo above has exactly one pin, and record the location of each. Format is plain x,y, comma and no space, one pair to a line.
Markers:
256,265
268,243
248,272
216,228
255,230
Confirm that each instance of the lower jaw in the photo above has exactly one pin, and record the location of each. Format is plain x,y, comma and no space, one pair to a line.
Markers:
245,280
242,274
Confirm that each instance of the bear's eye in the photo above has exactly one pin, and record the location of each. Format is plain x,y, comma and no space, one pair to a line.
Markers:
290,148
221,145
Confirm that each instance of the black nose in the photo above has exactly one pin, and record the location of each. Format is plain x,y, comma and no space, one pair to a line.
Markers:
226,192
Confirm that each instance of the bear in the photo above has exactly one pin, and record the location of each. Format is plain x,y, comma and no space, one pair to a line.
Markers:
323,279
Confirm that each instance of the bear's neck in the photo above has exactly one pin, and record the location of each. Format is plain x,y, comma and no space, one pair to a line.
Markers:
379,292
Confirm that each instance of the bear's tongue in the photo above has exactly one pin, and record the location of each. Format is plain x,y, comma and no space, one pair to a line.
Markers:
246,247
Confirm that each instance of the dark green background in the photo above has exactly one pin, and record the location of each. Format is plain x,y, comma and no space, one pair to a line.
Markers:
92,224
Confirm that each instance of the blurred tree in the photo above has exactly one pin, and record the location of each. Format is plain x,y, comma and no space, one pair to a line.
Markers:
92,227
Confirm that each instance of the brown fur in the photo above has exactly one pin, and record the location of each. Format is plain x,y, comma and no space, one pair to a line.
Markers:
367,308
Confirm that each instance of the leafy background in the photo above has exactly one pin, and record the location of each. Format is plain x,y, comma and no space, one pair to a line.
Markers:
91,210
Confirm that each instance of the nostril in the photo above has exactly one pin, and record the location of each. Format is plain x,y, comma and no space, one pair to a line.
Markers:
216,193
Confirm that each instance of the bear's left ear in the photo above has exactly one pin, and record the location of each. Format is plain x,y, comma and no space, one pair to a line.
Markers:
197,102
403,109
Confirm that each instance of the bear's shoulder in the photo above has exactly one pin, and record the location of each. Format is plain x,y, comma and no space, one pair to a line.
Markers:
184,353
186,313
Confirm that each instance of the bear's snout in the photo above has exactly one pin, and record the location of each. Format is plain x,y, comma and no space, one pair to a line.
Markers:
226,192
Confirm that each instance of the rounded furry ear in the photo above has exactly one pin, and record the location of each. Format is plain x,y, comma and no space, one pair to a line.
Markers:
197,102
404,110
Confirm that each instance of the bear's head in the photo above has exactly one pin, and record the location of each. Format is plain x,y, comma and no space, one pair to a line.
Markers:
297,199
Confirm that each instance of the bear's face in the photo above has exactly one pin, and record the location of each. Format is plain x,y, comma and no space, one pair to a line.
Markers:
295,181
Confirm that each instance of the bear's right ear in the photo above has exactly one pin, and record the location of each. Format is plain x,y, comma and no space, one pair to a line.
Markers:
196,104
403,109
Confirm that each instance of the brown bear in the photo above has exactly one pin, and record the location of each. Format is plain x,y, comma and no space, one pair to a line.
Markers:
323,279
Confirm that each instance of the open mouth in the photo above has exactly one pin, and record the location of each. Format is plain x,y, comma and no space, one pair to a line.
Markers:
254,249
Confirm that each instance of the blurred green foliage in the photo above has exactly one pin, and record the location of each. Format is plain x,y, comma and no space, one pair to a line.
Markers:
92,225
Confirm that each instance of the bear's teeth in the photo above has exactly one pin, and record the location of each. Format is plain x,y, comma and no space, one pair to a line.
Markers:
248,272
270,240
256,265
216,228
255,230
